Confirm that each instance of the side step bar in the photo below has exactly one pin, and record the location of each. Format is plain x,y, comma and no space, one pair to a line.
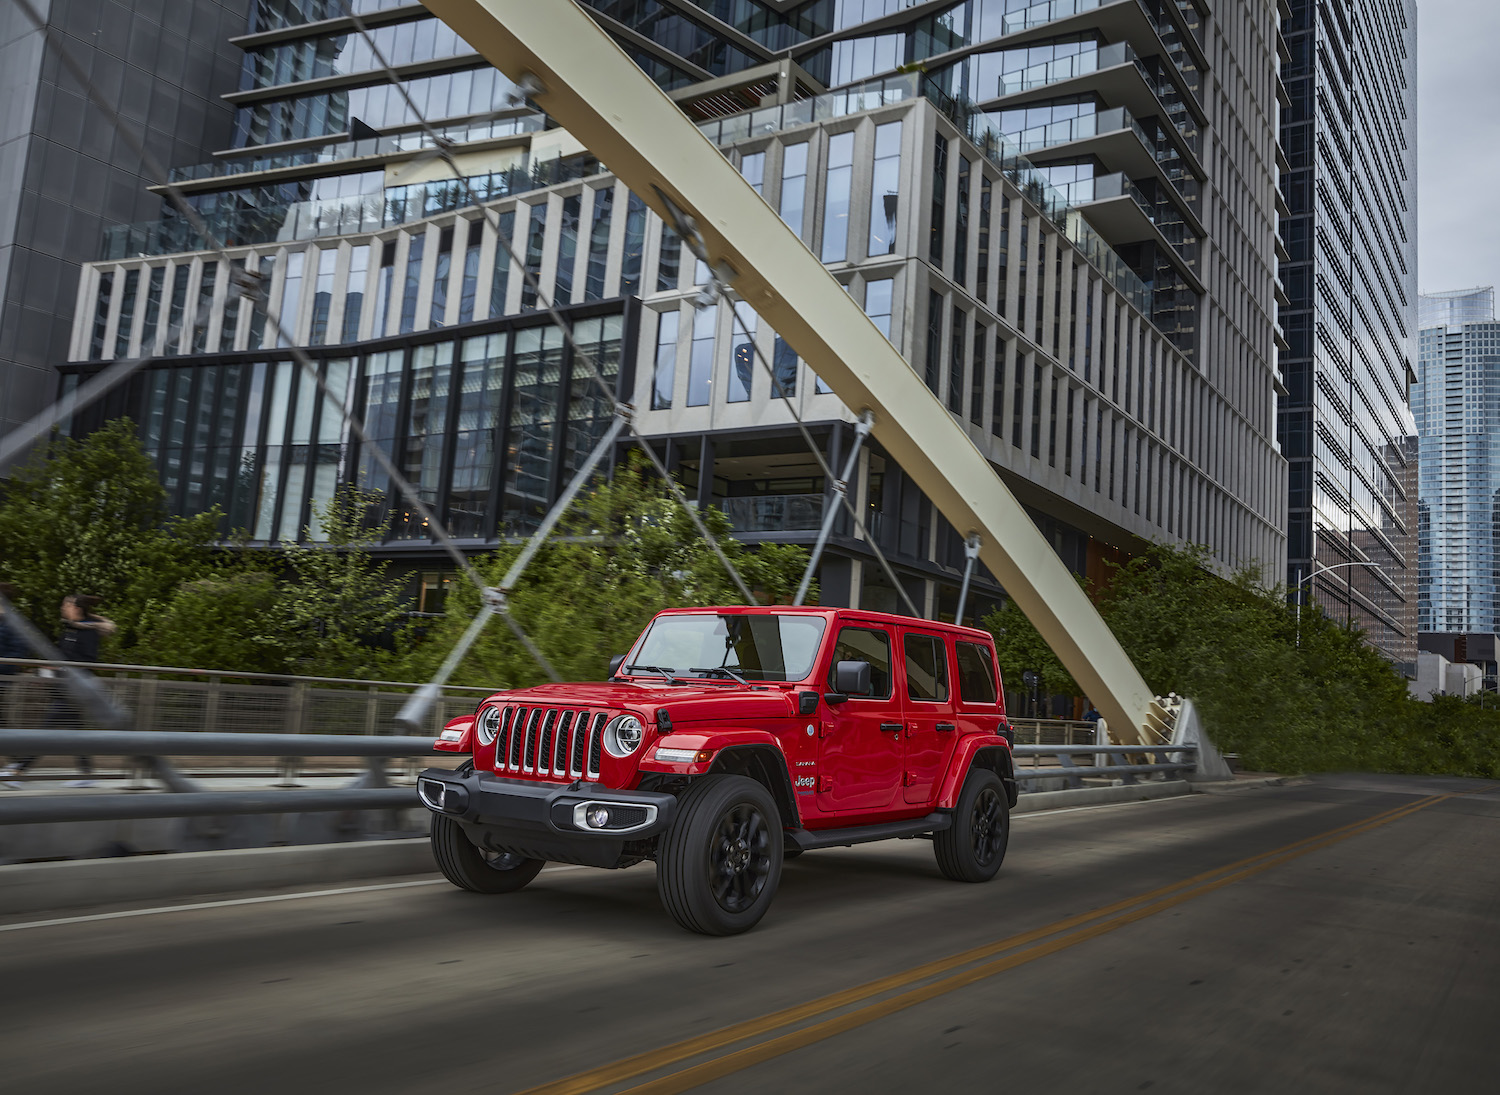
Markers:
804,841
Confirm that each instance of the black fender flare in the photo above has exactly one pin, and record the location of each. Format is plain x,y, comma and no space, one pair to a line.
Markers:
766,766
998,759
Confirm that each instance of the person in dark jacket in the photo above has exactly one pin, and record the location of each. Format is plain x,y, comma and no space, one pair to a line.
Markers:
80,631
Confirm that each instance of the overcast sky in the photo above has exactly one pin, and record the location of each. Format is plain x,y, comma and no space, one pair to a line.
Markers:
1458,144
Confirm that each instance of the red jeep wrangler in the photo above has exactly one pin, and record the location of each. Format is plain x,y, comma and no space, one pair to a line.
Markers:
726,740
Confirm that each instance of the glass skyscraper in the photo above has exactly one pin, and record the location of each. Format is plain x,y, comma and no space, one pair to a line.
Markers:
1457,406
1348,277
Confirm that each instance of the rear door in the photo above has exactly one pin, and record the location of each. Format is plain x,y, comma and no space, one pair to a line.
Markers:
930,724
859,759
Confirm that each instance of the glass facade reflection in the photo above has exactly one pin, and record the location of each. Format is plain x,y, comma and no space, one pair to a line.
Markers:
1457,407
1349,138
488,425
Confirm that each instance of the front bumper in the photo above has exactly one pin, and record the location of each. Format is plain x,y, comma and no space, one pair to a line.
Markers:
546,820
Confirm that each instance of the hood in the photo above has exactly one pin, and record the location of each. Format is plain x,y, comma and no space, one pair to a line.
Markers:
686,703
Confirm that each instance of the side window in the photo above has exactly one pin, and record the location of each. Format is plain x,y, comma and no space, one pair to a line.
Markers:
860,644
926,659
976,673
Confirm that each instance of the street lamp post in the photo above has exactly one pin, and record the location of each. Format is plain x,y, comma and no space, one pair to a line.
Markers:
1320,569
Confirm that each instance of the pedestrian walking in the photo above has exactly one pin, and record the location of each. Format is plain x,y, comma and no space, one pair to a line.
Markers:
81,628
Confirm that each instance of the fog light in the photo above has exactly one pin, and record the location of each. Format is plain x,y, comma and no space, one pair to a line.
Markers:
598,817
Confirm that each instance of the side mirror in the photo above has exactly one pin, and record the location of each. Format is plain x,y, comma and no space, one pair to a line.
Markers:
615,663
852,678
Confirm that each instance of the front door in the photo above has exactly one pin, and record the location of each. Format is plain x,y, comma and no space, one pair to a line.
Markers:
859,759
930,725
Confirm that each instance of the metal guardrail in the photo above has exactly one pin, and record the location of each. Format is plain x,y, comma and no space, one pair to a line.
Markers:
1169,758
370,791
183,698
184,798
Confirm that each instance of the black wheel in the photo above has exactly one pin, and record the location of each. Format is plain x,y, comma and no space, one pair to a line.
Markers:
973,849
475,869
718,866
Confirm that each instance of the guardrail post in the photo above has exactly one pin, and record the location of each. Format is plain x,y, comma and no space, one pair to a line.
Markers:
1101,739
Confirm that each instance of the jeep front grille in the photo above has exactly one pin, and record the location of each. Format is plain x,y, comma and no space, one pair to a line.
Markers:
550,743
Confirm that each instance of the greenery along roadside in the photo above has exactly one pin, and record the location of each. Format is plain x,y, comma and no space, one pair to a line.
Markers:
90,517
1288,697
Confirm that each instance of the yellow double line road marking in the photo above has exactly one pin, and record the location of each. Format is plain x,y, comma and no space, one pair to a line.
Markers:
1026,947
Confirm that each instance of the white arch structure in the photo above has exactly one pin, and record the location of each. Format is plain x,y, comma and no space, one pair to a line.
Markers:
584,81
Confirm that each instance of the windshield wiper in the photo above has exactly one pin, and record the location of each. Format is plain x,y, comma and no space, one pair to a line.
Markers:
652,669
725,670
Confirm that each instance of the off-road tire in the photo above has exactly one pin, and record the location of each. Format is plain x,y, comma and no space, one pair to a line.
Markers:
718,865
469,868
974,847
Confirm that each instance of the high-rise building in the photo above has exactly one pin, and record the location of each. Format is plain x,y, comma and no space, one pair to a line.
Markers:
1457,405
66,174
1064,217
1349,275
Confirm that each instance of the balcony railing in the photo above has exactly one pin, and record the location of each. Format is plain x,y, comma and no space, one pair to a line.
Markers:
308,220
775,512
348,150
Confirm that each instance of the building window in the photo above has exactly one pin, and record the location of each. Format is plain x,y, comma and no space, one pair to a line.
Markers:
203,313
260,313
153,310
328,259
536,236
178,308
127,313
753,168
1001,283
885,184
934,338
793,185
474,443
784,368
668,260
500,277
961,225
878,296
701,359
604,202
101,315
635,246
469,288
742,356
567,250
939,200
354,293
413,283
533,428
976,376
956,358
982,273
836,199
665,376
385,278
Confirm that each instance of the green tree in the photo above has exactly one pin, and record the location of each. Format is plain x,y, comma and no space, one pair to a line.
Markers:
340,613
228,622
1019,647
626,551
90,516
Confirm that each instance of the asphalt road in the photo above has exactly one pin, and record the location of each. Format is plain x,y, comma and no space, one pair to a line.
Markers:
1332,936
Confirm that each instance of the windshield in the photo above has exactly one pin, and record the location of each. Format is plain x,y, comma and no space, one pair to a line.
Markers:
757,647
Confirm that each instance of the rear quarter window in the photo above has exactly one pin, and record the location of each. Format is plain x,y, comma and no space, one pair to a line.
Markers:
976,673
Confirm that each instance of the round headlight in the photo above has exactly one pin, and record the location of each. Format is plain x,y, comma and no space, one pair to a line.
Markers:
487,725
623,735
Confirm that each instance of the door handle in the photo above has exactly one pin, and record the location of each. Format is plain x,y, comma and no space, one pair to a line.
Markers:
893,727
946,726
